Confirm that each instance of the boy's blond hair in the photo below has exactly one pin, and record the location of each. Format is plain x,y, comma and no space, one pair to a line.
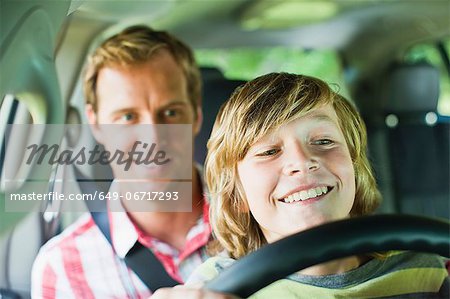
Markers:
255,109
136,45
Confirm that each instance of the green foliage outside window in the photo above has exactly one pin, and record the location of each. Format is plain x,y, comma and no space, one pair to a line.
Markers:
248,63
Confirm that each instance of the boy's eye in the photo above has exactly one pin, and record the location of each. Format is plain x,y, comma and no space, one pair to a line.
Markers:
269,152
323,142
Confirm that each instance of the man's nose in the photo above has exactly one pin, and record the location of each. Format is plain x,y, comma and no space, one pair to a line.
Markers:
299,160
150,129
152,133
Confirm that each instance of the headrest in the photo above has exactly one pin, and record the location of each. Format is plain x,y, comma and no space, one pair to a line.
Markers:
411,88
211,73
216,90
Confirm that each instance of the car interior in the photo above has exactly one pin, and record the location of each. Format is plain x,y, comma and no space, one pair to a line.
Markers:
391,58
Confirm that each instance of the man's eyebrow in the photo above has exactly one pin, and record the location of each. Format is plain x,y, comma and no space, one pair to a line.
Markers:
122,110
173,104
165,106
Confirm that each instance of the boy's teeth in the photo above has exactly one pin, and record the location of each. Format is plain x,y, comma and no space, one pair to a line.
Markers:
306,194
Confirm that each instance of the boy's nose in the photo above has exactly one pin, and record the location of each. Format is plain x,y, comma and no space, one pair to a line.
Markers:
299,160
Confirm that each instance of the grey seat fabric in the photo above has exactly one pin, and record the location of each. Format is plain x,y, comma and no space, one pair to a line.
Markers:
420,164
216,90
18,249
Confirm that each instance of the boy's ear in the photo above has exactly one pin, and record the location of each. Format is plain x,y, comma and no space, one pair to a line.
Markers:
93,122
198,121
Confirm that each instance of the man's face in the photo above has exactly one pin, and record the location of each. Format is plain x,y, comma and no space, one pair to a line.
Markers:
134,104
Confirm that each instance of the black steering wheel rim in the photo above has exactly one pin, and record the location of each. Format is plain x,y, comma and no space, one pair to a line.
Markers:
330,241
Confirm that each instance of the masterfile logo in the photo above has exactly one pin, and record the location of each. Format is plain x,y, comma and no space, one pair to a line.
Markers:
151,166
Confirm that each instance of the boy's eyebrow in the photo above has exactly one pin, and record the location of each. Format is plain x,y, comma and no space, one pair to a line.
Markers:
323,117
314,115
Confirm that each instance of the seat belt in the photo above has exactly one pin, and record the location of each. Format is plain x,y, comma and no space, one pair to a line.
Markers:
155,278
139,259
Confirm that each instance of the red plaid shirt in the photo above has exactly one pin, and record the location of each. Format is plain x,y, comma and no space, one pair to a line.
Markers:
80,263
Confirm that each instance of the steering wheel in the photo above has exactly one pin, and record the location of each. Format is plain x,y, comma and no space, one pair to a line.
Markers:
331,241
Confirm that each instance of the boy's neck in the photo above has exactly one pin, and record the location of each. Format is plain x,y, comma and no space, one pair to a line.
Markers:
336,266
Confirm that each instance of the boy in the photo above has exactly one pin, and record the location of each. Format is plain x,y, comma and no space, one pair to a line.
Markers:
287,154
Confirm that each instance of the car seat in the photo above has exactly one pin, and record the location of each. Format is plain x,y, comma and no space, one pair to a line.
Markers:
417,139
216,90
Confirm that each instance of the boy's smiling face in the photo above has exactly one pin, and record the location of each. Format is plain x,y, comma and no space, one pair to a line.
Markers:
299,176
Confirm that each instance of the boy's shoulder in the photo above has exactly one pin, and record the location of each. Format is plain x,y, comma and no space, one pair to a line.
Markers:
210,269
411,259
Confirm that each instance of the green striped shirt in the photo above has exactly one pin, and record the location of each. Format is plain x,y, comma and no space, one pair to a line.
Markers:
400,275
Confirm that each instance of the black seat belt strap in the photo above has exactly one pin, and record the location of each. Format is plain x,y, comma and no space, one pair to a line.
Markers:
152,273
139,259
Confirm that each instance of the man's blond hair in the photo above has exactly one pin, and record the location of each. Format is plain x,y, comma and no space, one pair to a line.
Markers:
136,45
254,110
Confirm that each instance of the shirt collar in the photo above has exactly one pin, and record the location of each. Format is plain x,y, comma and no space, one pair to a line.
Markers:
124,234
123,231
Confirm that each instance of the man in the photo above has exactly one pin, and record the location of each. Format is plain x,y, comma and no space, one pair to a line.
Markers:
135,78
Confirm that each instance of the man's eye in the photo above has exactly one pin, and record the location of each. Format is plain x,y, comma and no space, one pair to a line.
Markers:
269,152
170,113
128,116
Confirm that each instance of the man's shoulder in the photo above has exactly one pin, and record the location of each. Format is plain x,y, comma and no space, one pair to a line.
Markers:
84,227
54,255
